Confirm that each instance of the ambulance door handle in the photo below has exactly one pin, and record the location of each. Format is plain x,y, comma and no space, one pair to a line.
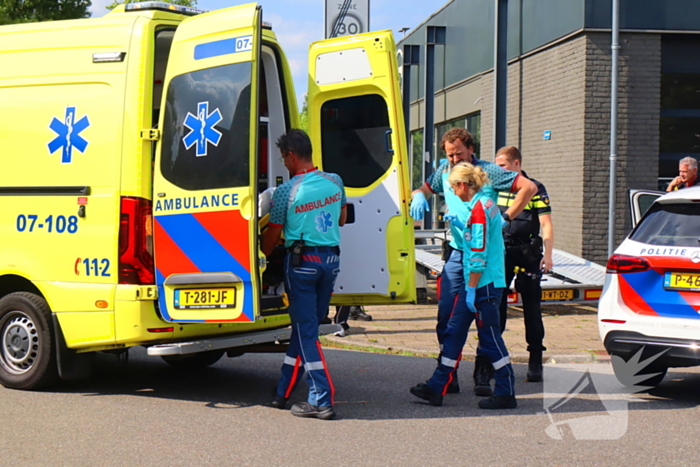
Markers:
81,210
387,141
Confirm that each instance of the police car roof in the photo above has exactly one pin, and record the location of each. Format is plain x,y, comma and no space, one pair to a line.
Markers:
691,195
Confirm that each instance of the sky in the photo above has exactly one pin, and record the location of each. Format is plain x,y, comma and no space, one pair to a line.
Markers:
298,23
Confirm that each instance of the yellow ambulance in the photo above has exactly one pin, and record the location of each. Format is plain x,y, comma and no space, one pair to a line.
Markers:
135,153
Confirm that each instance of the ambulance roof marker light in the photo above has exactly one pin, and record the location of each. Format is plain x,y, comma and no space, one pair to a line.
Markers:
267,25
185,10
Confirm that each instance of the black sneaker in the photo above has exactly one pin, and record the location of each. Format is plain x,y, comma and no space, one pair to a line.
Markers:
424,392
498,402
304,409
356,312
279,402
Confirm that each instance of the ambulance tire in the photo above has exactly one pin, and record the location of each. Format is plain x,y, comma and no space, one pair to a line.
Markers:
194,361
27,342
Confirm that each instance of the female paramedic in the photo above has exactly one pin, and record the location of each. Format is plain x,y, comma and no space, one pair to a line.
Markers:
484,277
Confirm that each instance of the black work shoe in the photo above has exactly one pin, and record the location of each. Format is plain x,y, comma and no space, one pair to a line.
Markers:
534,367
279,402
424,392
483,372
356,312
453,387
304,409
498,402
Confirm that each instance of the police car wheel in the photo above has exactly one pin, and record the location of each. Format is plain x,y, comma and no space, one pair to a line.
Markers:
27,351
194,361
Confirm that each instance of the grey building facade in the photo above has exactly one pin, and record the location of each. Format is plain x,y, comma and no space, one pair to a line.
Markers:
559,82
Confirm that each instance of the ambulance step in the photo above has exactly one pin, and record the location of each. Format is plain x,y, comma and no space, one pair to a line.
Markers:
227,342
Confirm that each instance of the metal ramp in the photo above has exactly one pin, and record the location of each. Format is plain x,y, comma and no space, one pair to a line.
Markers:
572,280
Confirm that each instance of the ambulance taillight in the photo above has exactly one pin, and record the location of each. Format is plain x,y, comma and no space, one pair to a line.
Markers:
136,242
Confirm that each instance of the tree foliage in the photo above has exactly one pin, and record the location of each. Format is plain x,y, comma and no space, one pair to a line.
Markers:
189,3
26,11
304,114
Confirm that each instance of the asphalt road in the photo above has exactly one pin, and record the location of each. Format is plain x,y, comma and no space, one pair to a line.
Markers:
147,414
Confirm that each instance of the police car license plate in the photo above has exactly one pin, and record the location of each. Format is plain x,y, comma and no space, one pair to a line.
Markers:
563,294
682,281
186,299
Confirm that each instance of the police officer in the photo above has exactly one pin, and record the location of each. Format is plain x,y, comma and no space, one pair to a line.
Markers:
309,209
524,257
458,145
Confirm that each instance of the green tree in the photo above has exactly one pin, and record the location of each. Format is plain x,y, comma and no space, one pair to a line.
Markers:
27,11
304,115
189,3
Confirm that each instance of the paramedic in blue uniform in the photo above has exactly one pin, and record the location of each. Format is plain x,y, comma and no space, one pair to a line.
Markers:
309,209
484,275
525,258
458,145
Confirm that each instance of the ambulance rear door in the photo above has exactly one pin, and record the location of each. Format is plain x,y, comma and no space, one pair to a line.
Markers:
357,129
205,219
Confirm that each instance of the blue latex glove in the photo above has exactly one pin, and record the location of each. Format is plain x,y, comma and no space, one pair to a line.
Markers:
504,223
471,299
419,204
452,219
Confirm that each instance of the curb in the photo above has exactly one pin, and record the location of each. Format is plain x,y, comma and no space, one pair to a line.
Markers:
356,344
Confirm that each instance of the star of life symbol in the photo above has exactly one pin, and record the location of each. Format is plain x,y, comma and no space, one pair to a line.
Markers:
573,392
202,131
323,221
68,135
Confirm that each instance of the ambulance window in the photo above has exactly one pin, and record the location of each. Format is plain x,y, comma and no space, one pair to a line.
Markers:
354,139
198,152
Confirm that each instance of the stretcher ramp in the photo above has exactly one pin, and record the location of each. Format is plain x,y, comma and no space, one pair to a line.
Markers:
572,280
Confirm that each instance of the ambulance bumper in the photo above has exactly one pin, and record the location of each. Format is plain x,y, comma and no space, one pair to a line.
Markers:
228,342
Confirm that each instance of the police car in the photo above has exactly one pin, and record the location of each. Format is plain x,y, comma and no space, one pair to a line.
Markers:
651,297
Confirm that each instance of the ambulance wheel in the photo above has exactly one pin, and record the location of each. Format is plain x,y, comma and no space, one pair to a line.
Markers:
194,361
27,347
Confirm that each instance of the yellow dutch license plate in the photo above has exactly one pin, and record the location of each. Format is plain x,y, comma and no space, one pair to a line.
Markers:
563,294
186,299
682,281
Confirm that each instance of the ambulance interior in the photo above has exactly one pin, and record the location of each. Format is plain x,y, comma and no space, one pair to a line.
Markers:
273,112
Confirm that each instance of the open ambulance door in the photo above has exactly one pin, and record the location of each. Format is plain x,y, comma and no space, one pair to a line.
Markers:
641,201
204,199
357,129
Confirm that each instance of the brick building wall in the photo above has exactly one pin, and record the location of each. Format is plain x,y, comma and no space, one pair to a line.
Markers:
546,92
639,91
565,89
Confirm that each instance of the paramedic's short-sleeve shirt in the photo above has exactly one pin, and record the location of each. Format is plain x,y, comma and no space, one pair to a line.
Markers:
308,208
499,179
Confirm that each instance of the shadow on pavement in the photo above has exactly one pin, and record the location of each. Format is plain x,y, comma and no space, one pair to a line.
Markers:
368,386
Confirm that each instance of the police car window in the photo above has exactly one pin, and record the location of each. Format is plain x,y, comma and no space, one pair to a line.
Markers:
206,128
354,139
670,225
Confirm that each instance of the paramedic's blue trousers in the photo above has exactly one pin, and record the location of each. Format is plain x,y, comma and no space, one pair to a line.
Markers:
491,343
309,287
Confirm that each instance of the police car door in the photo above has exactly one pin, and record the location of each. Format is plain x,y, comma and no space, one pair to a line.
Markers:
357,129
640,202
205,219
